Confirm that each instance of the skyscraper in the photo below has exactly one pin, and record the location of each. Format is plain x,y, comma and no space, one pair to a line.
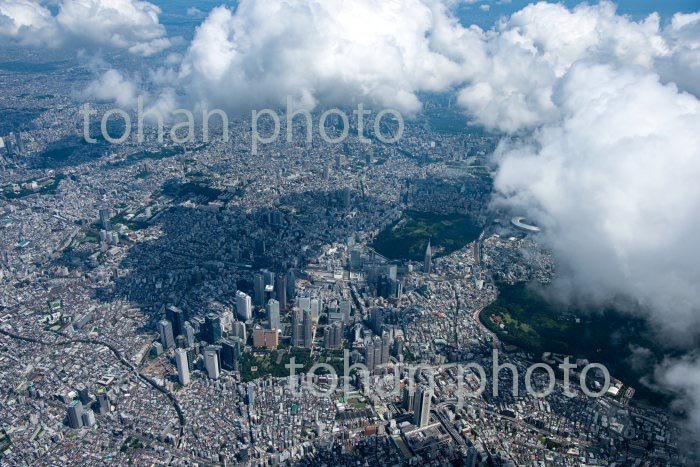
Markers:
75,414
212,328
83,395
230,353
297,328
259,289
189,334
356,259
428,261
176,316
345,309
308,330
408,398
281,291
244,307
20,143
105,216
377,351
251,394
165,328
239,330
369,354
333,335
273,314
211,361
338,331
183,371
103,401
386,347
88,418
422,402
291,285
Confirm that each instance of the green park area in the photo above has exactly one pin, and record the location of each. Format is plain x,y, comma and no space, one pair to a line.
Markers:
273,363
408,238
523,317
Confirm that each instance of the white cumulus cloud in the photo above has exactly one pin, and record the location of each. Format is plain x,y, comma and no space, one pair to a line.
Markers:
372,51
530,52
614,183
113,86
125,24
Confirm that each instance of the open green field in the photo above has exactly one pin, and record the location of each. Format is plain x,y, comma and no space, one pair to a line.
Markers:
408,238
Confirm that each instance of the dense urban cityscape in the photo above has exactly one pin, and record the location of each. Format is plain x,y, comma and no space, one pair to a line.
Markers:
306,303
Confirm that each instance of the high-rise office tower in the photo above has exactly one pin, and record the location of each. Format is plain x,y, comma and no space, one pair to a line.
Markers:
212,328
259,289
105,216
398,348
75,414
176,316
377,351
291,285
19,142
251,394
269,277
369,354
428,261
345,309
333,335
244,307
8,147
239,330
273,314
315,306
308,330
408,398
103,401
356,259
189,334
304,303
231,350
386,347
165,328
391,270
183,370
181,342
297,328
422,402
88,418
338,329
83,395
281,290
211,361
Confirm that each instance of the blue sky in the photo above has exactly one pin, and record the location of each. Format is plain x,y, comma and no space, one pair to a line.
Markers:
175,11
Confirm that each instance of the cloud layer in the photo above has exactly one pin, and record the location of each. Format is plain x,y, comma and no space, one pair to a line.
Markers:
125,24
614,183
331,51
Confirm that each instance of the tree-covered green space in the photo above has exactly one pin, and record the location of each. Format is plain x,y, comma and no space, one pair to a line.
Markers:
408,238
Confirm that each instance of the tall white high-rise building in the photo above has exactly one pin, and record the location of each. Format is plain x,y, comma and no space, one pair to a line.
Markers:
244,306
428,260
211,362
165,328
183,371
